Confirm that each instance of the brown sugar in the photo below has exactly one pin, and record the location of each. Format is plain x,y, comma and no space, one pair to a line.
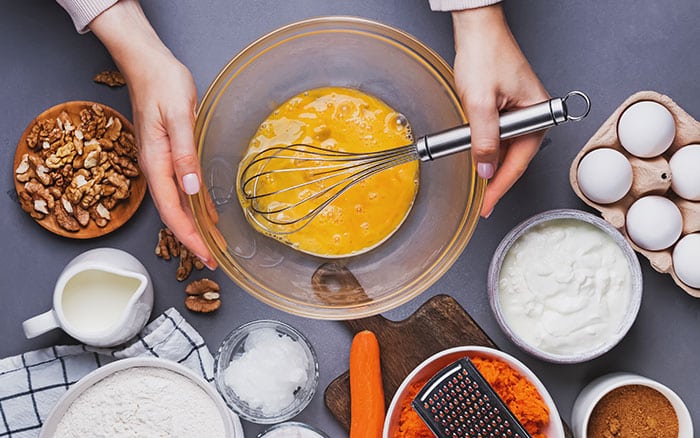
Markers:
633,411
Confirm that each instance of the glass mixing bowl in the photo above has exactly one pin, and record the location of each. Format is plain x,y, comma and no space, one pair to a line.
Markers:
378,60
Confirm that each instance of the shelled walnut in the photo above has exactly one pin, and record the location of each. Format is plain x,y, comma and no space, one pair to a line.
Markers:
187,261
113,78
73,158
32,166
203,296
63,213
36,199
168,247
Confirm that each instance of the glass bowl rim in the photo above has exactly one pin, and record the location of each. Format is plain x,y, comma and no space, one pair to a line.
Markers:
293,424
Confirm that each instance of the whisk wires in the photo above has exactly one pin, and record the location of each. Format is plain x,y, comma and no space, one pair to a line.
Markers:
313,178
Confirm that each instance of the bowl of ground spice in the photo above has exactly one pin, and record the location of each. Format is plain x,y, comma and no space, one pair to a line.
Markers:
619,405
515,384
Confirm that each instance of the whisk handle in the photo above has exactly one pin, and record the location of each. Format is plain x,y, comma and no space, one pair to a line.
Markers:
526,120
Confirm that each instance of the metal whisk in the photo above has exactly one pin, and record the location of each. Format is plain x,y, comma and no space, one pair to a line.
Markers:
331,172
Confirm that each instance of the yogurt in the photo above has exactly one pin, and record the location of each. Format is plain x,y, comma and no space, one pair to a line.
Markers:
564,287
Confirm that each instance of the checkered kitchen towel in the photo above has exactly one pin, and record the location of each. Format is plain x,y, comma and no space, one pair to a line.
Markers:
32,383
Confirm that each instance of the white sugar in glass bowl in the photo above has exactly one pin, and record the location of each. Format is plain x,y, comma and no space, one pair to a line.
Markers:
265,371
565,286
231,424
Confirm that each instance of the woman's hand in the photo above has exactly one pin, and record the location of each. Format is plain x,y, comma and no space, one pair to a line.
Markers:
492,75
163,98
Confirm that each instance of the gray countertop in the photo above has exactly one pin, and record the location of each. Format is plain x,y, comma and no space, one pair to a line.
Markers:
608,49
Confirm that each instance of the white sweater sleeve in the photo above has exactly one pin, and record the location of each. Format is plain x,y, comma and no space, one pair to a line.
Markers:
454,5
84,11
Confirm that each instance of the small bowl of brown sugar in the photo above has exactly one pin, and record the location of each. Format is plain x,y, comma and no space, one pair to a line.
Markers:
621,405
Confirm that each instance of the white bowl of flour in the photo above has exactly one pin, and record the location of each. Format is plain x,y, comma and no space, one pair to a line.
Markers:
141,397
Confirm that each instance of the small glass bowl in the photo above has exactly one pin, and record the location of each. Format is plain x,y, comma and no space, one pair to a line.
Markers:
234,345
291,424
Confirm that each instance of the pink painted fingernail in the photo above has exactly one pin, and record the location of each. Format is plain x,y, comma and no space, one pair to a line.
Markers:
203,260
485,170
191,183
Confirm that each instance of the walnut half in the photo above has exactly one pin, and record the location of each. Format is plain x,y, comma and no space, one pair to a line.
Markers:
203,296
199,287
36,199
33,166
113,78
187,261
168,247
64,217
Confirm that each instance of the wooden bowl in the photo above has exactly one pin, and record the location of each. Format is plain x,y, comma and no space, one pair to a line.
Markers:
122,211
650,176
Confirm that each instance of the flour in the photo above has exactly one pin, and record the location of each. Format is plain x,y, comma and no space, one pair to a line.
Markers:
142,402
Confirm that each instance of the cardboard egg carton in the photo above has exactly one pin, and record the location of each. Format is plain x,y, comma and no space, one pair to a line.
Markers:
650,176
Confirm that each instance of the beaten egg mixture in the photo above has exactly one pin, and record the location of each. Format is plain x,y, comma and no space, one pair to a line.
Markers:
338,119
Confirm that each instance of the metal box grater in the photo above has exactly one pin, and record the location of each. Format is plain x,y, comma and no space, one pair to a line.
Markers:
459,402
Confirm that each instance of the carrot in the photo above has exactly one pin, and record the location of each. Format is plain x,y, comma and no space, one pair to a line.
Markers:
366,389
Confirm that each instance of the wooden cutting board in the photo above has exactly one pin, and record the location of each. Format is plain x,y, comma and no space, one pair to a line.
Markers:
438,324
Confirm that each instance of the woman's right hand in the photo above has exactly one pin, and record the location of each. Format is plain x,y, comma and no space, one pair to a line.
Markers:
493,75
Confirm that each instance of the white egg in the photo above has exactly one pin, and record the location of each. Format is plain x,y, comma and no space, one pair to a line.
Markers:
685,172
654,222
604,175
646,129
686,260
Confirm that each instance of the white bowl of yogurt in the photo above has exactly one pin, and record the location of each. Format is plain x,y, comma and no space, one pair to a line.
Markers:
565,286
142,397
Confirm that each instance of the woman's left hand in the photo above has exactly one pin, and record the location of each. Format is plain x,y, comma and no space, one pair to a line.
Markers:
163,99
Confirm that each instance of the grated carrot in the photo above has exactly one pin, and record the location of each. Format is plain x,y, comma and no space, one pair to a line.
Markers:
410,424
517,392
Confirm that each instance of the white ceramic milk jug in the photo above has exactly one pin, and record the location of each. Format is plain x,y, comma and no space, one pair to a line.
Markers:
103,298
